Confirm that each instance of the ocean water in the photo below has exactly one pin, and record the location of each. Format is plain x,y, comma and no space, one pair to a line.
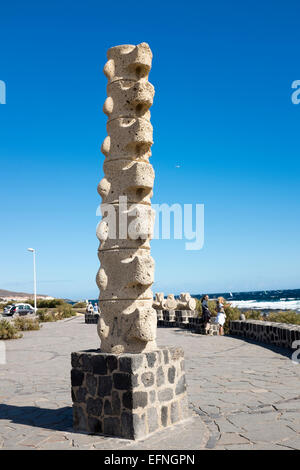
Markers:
259,300
263,300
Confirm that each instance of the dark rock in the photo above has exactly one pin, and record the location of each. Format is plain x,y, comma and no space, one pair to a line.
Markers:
75,360
127,430
112,426
181,386
140,399
94,406
122,381
133,400
166,356
116,403
81,394
159,356
79,419
94,426
152,396
165,395
99,364
91,384
160,377
147,379
127,400
135,380
76,377
171,374
151,359
112,408
164,415
104,386
130,363
86,363
112,363
107,408
174,412
152,419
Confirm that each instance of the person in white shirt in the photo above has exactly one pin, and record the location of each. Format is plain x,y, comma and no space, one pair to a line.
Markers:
90,308
221,316
96,309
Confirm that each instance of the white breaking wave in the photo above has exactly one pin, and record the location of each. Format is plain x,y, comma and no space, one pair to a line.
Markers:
275,305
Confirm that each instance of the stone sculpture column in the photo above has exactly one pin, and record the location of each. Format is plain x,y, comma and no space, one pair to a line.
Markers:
128,321
128,388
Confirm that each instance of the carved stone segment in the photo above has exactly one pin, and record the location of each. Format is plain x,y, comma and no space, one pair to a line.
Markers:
128,62
127,320
128,178
125,274
129,226
127,98
159,302
171,302
128,138
185,302
134,321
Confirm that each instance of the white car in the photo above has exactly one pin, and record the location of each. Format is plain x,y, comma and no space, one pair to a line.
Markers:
21,309
7,309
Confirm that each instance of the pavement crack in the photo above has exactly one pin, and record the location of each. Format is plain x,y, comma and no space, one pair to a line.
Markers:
212,426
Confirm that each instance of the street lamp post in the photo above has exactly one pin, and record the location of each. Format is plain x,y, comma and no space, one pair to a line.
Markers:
34,276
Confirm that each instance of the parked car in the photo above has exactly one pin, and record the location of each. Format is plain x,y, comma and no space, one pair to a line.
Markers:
7,310
21,309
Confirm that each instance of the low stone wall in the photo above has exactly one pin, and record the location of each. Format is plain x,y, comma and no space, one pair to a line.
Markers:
91,318
130,395
196,326
279,334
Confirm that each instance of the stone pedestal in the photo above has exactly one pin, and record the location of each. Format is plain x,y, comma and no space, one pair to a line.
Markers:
128,395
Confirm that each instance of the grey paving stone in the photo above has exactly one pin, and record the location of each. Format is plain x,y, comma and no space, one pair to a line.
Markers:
231,438
236,384
275,433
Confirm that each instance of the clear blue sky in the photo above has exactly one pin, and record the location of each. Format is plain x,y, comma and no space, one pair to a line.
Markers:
223,112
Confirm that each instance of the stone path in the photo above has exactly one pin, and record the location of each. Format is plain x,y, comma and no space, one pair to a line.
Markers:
243,395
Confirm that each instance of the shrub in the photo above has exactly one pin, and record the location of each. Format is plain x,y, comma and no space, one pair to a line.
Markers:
46,303
65,311
26,324
288,316
45,316
212,305
232,313
79,305
253,315
8,330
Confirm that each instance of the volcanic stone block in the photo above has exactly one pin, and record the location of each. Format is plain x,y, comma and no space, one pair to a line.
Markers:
91,318
139,395
280,334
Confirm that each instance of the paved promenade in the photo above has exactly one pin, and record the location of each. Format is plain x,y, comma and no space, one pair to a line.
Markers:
243,395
